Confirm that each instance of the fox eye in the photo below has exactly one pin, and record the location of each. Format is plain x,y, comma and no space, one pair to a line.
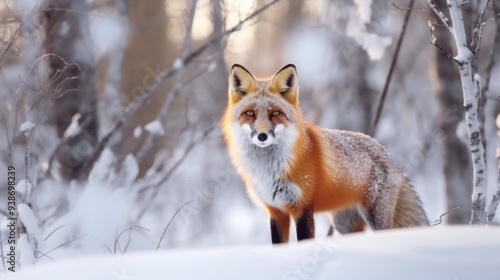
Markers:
275,113
249,113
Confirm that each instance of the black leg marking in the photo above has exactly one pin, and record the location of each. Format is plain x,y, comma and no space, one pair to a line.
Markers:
305,225
330,231
275,233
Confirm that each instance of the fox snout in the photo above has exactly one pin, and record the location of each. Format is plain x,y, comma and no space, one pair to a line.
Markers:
262,139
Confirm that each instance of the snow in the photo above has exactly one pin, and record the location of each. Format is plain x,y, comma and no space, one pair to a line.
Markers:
178,64
26,126
137,132
424,253
23,187
373,44
74,128
364,10
29,244
109,31
155,127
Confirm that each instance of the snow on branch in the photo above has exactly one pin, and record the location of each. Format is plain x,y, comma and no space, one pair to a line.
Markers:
440,15
471,91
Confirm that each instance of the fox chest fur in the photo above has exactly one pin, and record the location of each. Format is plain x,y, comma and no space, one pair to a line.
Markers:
265,170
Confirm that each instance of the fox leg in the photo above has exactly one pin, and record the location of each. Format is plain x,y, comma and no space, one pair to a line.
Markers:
280,225
348,221
305,224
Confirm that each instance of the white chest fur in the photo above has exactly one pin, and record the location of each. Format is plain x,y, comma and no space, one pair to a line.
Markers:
265,168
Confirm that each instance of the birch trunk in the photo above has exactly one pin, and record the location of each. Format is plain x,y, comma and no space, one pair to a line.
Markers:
464,59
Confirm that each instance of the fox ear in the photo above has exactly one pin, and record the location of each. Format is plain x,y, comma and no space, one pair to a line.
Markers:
285,83
241,82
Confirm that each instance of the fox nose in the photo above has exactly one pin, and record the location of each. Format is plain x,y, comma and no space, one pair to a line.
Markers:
262,137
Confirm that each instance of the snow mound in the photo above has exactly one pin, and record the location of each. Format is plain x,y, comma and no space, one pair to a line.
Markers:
425,253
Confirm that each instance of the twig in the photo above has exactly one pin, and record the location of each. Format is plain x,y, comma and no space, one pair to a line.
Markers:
161,79
383,94
169,222
478,31
9,45
440,219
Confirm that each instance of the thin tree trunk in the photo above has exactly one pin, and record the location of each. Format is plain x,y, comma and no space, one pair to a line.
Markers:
470,89
456,159
72,83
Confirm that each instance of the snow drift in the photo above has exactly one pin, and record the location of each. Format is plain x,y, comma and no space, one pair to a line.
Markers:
425,253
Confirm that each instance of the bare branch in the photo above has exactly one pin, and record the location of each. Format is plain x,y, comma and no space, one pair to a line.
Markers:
383,94
478,31
440,219
9,45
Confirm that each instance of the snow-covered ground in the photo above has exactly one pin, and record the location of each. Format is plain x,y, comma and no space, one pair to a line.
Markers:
427,253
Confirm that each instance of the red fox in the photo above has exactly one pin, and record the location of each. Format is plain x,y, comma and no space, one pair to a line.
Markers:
294,168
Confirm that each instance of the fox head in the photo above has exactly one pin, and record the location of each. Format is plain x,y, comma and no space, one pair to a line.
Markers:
263,112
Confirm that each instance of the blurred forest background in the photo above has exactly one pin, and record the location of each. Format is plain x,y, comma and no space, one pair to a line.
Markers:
110,111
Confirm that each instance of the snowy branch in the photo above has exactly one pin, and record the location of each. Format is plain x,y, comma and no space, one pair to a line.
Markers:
440,15
432,27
